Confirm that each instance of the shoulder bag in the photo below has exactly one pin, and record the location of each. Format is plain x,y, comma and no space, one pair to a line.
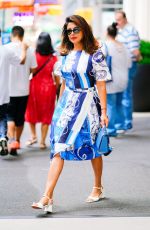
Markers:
34,74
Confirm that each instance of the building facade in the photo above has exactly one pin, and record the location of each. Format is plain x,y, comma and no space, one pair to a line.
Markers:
103,13
138,14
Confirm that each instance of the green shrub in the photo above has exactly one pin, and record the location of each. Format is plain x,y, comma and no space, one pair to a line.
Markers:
145,52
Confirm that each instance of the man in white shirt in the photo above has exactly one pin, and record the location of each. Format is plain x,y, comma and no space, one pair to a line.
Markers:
18,89
7,57
128,35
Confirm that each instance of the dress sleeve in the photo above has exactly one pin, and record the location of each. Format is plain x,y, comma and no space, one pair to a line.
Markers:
58,67
100,68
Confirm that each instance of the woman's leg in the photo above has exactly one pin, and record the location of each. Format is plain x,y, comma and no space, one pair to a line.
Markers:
33,138
33,130
44,130
54,172
97,165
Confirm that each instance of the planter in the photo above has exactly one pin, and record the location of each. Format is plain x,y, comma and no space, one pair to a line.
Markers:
141,89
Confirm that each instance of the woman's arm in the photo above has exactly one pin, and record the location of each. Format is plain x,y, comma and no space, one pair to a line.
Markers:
58,85
33,70
63,85
101,87
57,81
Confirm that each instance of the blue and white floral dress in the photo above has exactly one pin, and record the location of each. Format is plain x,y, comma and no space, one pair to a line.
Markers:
76,119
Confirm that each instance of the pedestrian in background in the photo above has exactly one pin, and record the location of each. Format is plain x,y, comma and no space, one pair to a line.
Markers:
120,62
41,102
80,109
7,57
18,89
128,35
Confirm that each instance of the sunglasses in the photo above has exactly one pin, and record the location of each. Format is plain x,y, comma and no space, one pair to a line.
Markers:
75,30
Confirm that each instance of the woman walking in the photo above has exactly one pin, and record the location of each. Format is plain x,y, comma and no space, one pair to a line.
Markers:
120,62
42,96
79,112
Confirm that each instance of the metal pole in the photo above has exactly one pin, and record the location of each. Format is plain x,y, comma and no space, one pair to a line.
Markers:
97,17
3,19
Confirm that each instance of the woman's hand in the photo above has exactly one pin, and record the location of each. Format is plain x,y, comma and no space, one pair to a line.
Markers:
101,87
104,120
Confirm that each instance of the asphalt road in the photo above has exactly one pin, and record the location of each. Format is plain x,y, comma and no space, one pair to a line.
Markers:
126,180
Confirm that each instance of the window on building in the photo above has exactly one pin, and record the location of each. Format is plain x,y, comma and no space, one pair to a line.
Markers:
108,8
112,5
112,1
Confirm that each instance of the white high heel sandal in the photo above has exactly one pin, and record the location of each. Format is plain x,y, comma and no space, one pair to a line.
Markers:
46,208
92,199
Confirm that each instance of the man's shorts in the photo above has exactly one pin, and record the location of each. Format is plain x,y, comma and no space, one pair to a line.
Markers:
16,109
3,111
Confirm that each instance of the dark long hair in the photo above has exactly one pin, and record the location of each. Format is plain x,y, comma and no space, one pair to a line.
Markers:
90,44
44,44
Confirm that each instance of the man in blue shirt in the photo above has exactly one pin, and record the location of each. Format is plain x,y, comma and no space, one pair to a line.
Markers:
128,35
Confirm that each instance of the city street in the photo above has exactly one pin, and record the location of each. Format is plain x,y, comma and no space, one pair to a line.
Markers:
125,179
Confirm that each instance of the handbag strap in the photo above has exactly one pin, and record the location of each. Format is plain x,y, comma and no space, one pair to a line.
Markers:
106,49
42,66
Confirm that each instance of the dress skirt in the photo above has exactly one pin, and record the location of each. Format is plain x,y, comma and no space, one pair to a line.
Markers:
75,125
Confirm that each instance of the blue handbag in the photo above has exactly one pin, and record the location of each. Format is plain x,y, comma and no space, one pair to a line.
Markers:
108,59
102,142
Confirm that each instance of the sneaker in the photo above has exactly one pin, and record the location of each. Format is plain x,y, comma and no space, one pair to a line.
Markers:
13,152
128,126
112,134
14,145
121,131
3,147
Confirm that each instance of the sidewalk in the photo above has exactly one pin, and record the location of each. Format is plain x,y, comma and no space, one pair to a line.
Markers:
74,224
125,178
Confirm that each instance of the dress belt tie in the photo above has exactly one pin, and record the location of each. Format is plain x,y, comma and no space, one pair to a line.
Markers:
82,90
